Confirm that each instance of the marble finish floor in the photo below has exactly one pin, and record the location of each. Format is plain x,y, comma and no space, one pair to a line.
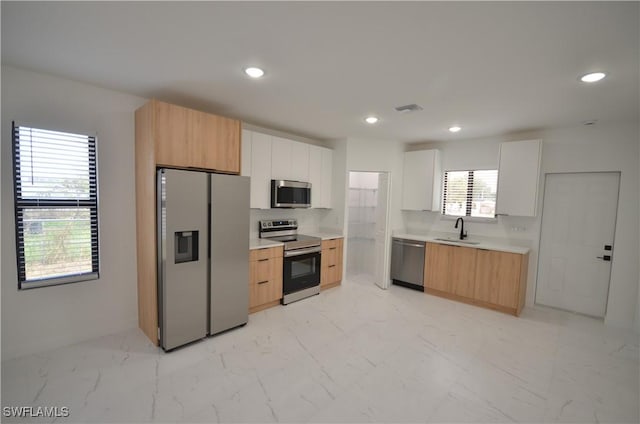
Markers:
352,354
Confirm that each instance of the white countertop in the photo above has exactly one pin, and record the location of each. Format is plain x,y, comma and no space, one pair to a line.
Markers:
325,235
481,244
258,243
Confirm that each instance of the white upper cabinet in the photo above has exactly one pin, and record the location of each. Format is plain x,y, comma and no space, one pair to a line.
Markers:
518,177
320,176
315,175
327,178
289,160
260,171
245,158
281,158
299,161
266,157
421,182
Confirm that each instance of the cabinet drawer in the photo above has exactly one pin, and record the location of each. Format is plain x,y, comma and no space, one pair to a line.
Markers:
331,271
260,254
265,280
264,291
331,244
329,257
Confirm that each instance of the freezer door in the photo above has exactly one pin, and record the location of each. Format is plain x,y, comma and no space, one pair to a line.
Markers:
229,280
182,256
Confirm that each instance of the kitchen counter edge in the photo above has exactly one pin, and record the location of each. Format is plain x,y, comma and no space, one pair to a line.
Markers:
263,244
326,235
480,245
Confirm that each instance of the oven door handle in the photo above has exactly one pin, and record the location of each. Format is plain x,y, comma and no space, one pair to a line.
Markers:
299,252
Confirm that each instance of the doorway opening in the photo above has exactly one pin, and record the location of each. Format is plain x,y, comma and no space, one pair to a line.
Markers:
368,228
577,241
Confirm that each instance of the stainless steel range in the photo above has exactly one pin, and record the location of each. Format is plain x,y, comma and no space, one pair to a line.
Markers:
301,269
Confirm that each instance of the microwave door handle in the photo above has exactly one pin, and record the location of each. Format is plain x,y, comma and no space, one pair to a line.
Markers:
300,252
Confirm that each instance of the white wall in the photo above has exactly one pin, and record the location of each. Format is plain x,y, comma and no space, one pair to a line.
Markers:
379,156
354,154
602,147
44,318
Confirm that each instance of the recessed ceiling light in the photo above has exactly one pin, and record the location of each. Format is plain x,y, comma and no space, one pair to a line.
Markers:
455,128
254,72
371,119
593,77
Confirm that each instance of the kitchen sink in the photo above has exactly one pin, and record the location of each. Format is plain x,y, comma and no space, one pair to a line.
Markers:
455,240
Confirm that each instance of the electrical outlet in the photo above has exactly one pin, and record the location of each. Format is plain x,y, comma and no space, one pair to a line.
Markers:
517,229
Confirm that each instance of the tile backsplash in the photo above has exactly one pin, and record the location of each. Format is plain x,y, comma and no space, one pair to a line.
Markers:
308,219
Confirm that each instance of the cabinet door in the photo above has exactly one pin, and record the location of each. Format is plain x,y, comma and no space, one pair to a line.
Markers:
316,175
421,180
170,132
265,283
331,271
339,254
327,267
245,157
299,161
498,277
462,271
260,171
214,142
327,178
436,269
518,175
281,158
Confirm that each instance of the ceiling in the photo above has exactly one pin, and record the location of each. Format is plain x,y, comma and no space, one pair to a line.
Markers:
492,68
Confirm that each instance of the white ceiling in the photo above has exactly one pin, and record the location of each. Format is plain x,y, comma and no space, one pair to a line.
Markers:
493,68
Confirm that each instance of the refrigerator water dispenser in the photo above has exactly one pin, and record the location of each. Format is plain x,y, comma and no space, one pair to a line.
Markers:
186,246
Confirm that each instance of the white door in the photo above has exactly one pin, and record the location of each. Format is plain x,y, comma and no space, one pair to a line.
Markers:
381,276
578,223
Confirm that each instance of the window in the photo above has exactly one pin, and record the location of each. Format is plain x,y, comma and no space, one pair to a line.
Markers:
56,207
470,193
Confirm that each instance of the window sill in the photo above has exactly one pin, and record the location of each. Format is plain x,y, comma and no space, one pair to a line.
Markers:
67,279
470,219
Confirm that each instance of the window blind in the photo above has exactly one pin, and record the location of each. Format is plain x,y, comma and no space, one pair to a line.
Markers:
470,193
56,206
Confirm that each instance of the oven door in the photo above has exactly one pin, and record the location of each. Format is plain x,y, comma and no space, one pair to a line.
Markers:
301,269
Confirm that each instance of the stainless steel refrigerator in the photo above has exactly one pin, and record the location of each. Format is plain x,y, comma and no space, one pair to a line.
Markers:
203,254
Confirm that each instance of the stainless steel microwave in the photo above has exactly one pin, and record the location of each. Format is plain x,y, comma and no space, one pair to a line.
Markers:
290,194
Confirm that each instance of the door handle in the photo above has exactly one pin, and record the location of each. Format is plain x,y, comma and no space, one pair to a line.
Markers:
409,244
604,258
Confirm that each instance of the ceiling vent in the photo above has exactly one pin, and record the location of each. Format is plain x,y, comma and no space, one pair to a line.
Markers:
409,108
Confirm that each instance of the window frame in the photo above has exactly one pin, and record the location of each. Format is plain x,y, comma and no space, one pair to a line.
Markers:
21,204
468,205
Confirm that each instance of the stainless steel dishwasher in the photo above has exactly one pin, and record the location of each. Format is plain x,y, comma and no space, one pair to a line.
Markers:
407,263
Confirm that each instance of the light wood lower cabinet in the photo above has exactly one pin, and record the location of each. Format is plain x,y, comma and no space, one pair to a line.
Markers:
436,270
501,278
493,279
331,268
463,269
265,278
450,269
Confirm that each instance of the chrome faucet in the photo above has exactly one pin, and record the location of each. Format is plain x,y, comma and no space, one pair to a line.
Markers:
463,234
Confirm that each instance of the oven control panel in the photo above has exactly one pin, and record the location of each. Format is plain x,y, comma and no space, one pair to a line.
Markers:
279,224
